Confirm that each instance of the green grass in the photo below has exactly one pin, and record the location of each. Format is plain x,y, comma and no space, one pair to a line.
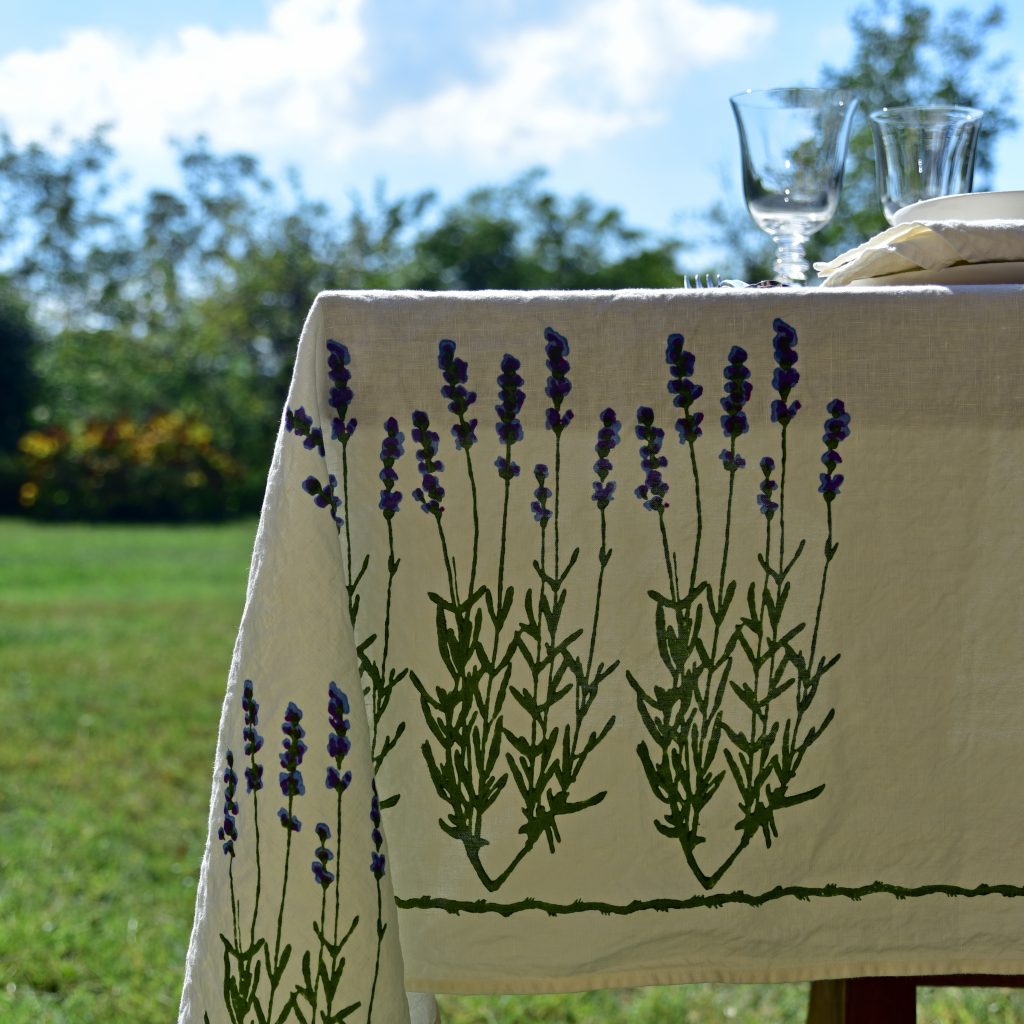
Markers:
114,650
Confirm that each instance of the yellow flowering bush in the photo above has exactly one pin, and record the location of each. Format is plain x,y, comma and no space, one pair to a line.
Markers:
167,467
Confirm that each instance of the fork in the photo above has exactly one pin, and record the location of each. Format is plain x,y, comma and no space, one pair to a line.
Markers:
712,281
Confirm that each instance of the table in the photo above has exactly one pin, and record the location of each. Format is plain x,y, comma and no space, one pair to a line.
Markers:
625,638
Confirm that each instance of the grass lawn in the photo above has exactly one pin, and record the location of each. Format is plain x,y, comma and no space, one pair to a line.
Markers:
114,649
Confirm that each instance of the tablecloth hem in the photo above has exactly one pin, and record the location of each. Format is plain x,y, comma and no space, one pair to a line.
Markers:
833,969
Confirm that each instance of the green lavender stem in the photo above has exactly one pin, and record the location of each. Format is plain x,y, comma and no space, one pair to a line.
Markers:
602,559
700,516
381,928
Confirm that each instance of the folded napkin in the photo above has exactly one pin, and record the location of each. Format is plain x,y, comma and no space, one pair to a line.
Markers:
927,245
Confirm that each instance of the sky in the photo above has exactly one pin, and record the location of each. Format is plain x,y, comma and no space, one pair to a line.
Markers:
624,100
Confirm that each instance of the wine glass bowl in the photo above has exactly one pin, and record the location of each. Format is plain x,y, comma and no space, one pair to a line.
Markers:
793,149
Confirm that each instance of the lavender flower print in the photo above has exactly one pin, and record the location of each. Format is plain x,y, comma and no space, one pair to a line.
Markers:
731,460
539,506
252,740
340,395
255,987
685,393
292,752
767,487
300,423
321,875
478,640
653,490
325,496
228,832
338,743
391,450
379,680
682,388
737,393
607,440
837,429
460,398
786,376
430,494
691,727
510,402
377,868
558,384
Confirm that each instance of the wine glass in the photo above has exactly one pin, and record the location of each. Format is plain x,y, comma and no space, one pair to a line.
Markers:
793,146
923,152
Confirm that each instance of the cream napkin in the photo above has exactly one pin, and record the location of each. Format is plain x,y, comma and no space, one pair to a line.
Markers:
927,245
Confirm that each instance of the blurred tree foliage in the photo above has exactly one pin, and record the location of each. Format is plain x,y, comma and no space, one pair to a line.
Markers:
189,302
17,345
904,54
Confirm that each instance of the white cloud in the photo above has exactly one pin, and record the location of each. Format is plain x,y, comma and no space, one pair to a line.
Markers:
292,88
249,90
548,90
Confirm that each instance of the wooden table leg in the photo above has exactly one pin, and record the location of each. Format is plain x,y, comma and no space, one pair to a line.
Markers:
827,1003
881,1001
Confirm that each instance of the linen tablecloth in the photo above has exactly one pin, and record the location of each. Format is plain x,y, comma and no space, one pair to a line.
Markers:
625,638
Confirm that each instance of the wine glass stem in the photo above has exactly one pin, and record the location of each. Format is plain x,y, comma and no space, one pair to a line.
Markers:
790,260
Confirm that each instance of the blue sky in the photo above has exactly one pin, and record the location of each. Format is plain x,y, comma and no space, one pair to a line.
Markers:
626,100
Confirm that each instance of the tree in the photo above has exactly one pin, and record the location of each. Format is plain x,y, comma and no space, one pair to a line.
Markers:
17,340
523,236
904,55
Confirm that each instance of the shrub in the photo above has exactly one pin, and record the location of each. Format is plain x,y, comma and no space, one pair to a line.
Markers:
166,468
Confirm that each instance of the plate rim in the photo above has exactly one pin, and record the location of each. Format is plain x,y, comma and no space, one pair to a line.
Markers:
906,214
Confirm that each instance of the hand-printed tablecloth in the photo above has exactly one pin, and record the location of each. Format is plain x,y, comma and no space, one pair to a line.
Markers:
602,639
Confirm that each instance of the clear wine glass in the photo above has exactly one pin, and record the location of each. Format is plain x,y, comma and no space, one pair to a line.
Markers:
793,146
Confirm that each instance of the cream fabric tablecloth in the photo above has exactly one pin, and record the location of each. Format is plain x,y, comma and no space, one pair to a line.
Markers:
641,707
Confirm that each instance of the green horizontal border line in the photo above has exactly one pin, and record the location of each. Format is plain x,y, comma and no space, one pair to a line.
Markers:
706,901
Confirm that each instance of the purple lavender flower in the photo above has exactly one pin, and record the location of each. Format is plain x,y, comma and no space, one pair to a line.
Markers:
837,429
253,740
507,468
768,487
737,393
228,832
558,385
292,751
300,423
786,376
653,490
377,865
431,493
683,390
608,436
731,461
456,374
510,402
338,743
340,395
253,778
335,780
289,821
376,857
539,506
251,711
323,854
391,450
325,496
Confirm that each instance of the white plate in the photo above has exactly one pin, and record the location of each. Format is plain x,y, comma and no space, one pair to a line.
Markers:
963,273
969,206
